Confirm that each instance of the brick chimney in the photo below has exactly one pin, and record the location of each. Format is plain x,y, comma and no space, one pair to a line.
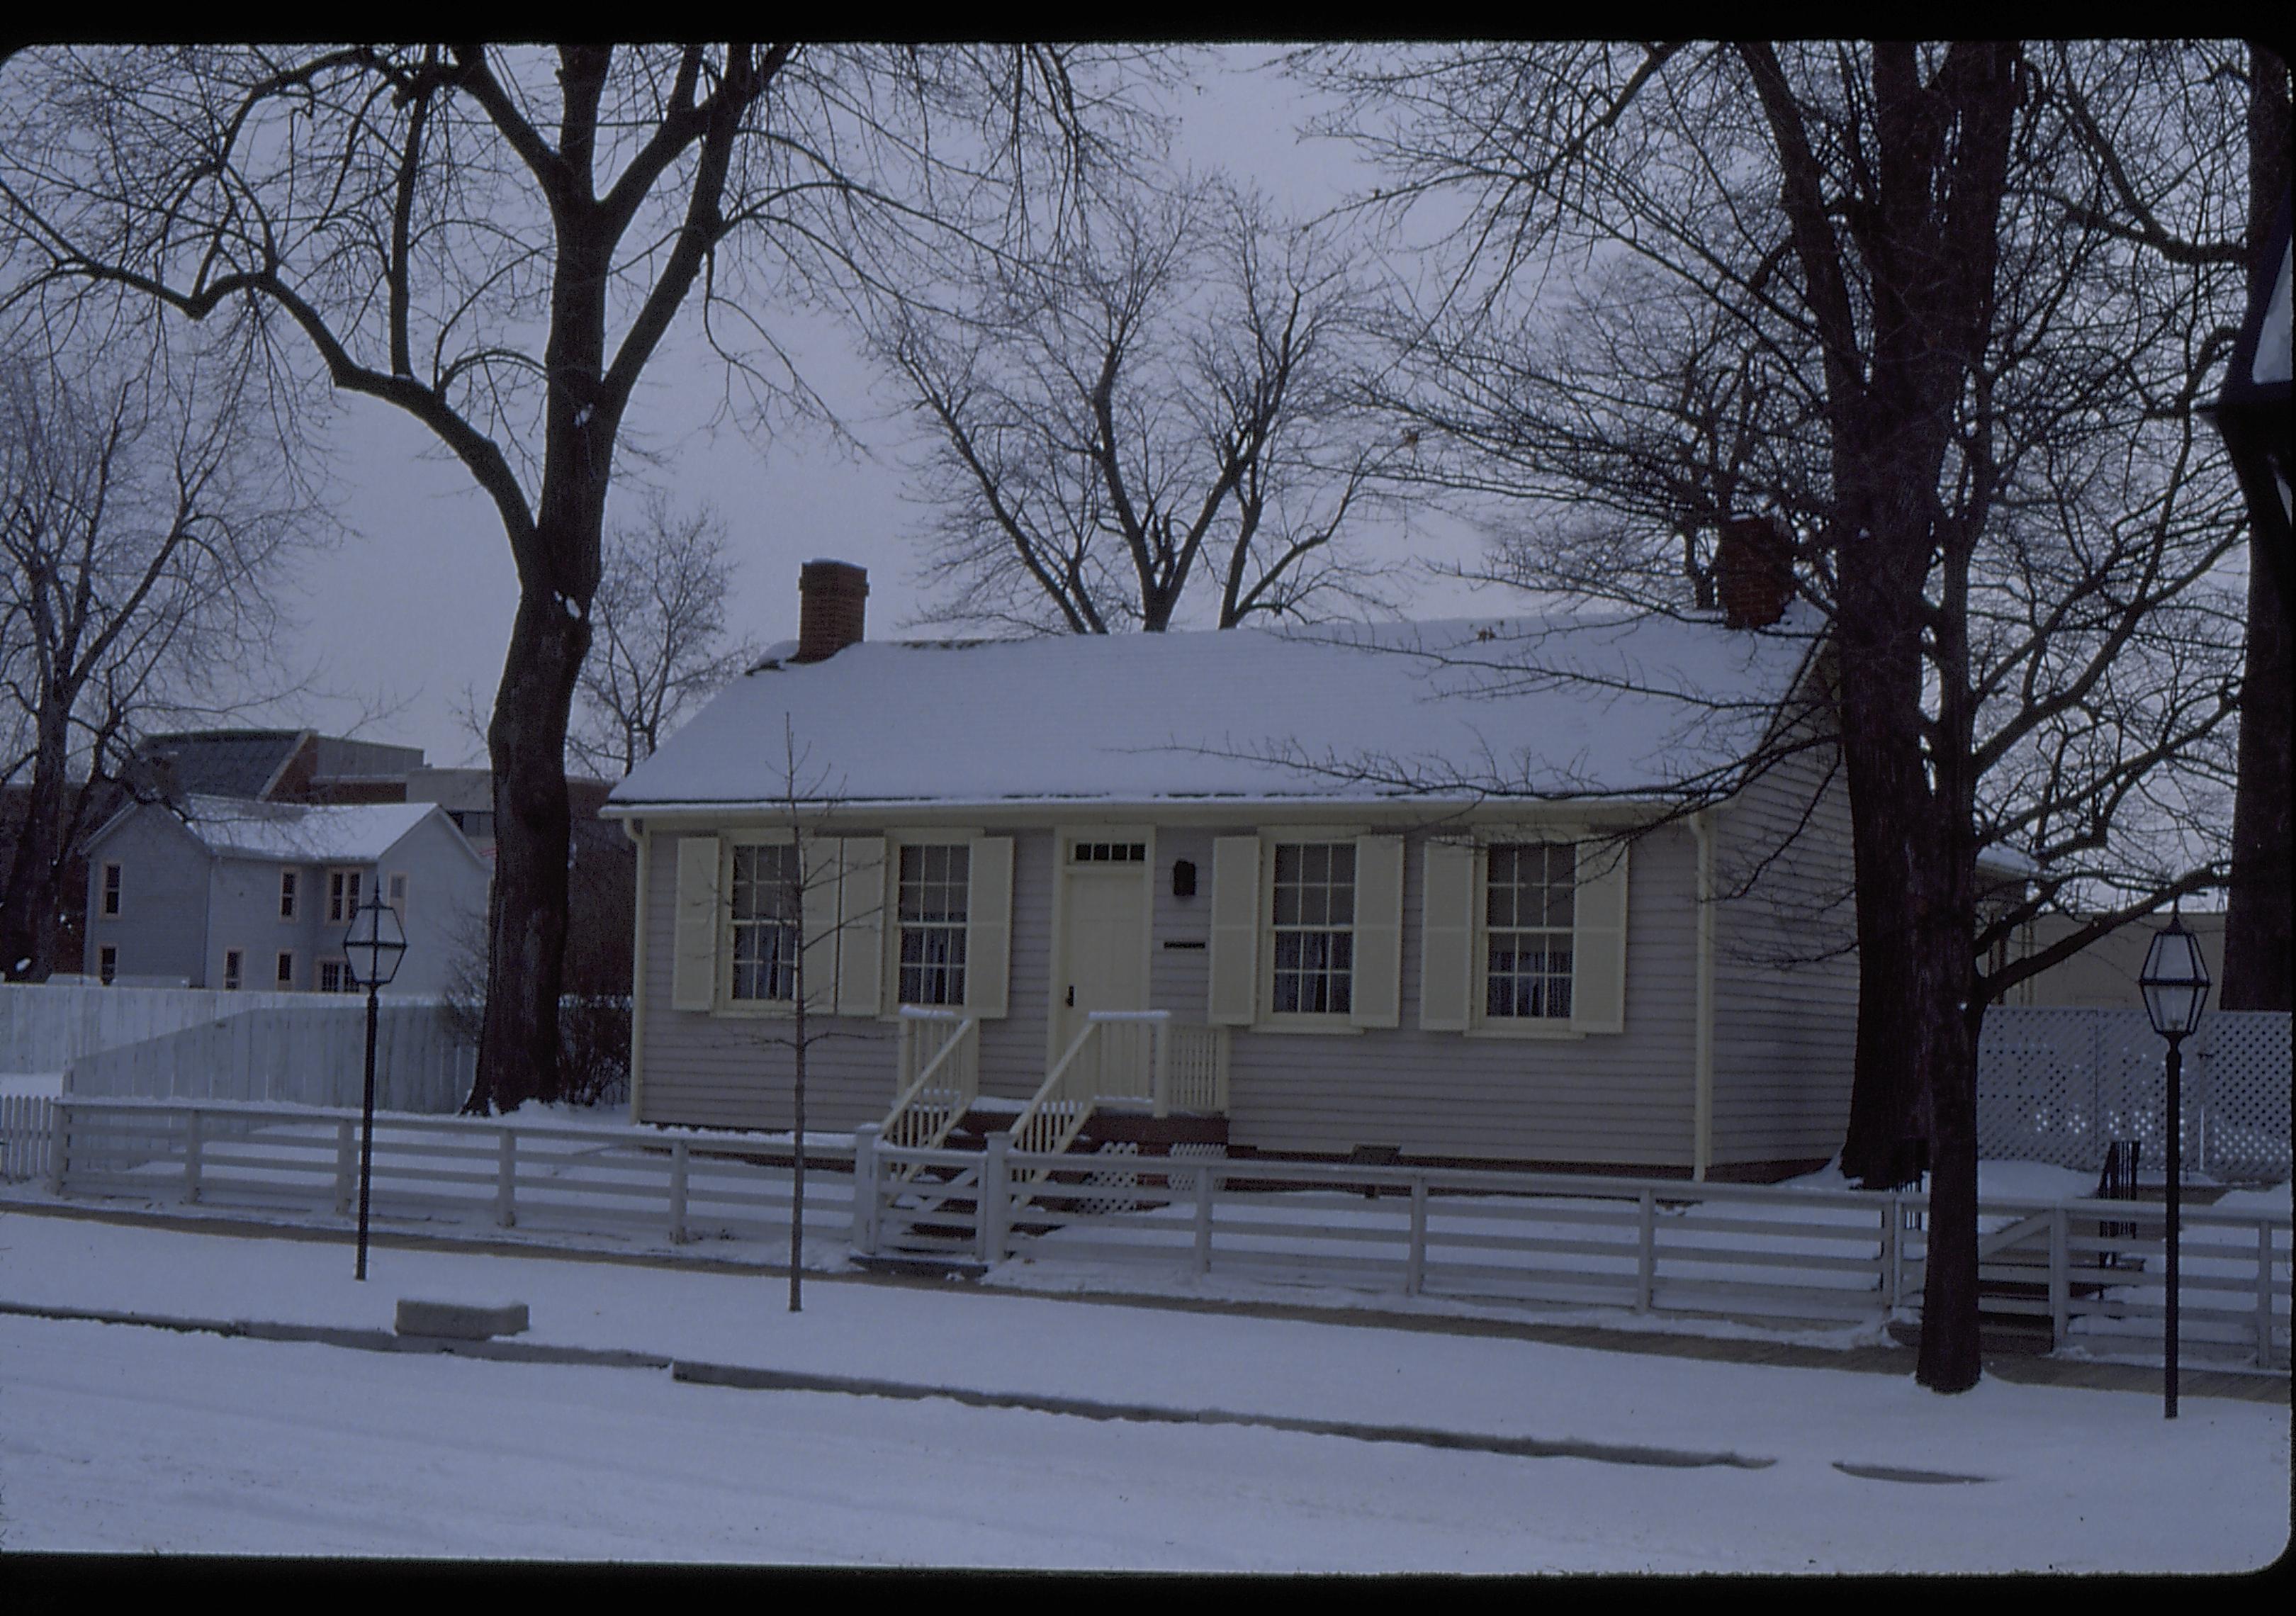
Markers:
1753,571
832,598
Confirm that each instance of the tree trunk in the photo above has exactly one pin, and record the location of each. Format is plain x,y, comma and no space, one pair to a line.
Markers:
1951,1357
1879,633
2258,960
526,921
28,907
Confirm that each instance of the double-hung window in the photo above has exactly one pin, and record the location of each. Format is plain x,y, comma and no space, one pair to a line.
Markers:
343,894
1313,930
111,888
1528,925
934,906
882,921
766,905
1524,934
1306,931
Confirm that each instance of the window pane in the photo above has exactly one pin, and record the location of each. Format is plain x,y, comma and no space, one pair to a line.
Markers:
933,914
1313,913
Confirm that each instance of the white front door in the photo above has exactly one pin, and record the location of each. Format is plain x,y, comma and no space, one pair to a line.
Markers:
1103,963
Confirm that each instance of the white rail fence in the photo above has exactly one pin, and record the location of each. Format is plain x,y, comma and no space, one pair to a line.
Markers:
1649,1245
2061,1085
628,1180
2095,1268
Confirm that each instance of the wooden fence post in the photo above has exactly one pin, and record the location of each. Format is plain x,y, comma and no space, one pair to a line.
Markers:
2060,1279
865,1188
1207,1186
506,1177
995,1195
2263,1293
59,1133
1646,1254
1414,1267
346,1168
191,1155
677,1191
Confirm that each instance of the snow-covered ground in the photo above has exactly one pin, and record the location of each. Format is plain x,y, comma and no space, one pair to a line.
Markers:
114,1438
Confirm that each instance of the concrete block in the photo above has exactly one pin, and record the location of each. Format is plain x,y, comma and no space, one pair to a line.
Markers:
460,1321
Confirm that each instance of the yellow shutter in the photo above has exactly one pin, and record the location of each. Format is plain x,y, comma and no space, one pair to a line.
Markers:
988,925
693,976
1598,985
1235,932
1448,977
861,928
1376,995
817,909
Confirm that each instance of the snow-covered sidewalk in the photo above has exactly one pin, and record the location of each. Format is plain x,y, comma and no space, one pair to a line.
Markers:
2075,1479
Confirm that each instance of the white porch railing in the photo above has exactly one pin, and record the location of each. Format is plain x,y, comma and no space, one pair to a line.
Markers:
1128,1056
938,1079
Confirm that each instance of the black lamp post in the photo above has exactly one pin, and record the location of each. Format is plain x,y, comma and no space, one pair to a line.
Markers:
2175,984
373,946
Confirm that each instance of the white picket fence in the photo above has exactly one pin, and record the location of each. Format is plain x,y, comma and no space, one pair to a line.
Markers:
196,1044
27,1122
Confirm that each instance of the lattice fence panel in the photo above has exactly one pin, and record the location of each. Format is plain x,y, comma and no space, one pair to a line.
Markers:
2245,1127
2059,1085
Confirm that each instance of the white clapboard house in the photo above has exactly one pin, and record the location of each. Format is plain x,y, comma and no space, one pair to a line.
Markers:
1484,891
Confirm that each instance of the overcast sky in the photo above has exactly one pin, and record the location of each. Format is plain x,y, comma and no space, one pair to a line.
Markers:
414,605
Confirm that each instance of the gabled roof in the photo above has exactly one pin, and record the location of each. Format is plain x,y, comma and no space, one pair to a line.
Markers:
294,833
1605,708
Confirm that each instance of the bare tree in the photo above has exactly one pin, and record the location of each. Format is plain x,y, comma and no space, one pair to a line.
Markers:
497,243
657,644
1871,289
1162,413
789,911
141,528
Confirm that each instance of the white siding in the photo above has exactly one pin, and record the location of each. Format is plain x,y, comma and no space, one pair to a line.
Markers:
1785,969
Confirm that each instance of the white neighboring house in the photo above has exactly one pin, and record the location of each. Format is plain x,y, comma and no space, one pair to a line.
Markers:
232,893
1018,833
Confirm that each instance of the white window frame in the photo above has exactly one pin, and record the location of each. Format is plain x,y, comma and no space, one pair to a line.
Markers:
345,983
922,842
1304,1019
107,963
110,900
344,880
1480,1021
729,929
1601,860
399,885
290,893
286,979
235,969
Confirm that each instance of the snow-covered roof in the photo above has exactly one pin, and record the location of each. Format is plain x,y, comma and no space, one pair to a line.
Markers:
294,832
1612,707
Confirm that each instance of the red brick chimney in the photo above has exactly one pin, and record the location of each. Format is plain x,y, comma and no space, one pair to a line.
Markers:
832,598
1753,571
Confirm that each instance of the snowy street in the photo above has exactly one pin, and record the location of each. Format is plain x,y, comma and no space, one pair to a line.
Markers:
116,1438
